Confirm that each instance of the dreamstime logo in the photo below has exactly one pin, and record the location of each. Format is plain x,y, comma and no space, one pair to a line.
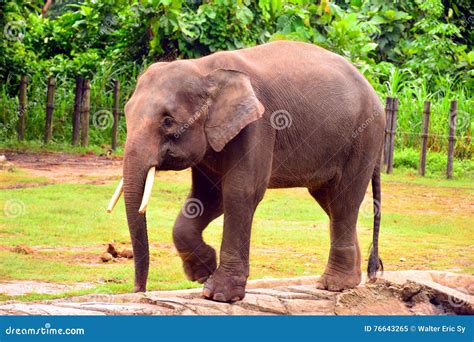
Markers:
14,31
14,208
191,32
102,119
102,295
461,299
192,208
280,119
370,208
46,330
108,25
288,22
202,111
184,127
463,121
465,22
366,123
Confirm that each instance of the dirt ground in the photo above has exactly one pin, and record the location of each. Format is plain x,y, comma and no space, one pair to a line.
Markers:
67,168
59,167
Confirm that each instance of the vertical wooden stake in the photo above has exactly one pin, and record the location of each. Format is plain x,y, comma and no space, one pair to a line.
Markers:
76,117
115,113
424,137
48,127
393,128
23,103
85,113
388,114
452,138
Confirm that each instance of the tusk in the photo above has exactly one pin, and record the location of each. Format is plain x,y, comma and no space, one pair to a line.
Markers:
150,178
115,197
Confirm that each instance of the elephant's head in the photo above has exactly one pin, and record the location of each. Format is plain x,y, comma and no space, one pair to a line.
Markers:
176,115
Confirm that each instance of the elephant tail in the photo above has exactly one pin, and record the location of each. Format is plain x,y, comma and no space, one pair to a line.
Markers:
375,263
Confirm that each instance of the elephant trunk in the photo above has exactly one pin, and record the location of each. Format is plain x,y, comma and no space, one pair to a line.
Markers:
135,169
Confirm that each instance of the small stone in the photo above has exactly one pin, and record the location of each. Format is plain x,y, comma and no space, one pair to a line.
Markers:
403,259
106,257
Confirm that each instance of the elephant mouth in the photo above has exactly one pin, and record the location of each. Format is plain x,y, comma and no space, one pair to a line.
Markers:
175,163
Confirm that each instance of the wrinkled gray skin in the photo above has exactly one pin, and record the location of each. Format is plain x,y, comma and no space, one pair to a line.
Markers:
219,116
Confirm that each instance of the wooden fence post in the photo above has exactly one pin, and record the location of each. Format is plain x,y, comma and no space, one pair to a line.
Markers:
48,127
393,128
115,113
85,113
388,114
76,117
424,137
452,138
23,103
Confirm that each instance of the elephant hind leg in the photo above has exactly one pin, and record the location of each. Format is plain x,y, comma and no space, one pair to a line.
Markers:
341,203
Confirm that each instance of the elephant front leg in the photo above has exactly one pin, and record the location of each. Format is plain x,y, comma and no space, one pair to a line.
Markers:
202,206
227,283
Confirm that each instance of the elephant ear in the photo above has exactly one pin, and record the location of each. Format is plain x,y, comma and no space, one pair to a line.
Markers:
233,106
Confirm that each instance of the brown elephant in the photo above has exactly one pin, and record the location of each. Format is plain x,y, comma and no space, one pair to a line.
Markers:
283,114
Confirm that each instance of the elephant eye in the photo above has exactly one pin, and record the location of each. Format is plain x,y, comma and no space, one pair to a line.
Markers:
167,122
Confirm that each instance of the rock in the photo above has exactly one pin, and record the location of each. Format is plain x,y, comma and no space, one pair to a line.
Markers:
403,259
43,309
461,282
413,293
23,287
3,158
106,257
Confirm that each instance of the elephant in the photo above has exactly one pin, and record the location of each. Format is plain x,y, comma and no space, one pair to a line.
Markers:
278,115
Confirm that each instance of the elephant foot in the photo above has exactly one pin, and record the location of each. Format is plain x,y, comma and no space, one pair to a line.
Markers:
343,269
200,264
338,283
225,287
139,288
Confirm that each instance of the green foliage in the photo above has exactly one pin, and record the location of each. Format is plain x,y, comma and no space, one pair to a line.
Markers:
415,50
409,159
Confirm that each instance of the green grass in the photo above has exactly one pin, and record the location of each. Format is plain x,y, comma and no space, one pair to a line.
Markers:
427,221
39,146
